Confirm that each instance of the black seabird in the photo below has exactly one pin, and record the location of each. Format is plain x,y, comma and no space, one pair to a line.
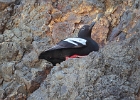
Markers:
72,47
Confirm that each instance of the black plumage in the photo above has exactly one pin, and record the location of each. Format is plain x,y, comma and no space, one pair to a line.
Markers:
81,45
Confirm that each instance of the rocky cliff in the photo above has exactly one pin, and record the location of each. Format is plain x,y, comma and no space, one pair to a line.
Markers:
30,27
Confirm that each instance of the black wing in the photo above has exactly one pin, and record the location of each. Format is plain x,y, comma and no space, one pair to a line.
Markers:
70,43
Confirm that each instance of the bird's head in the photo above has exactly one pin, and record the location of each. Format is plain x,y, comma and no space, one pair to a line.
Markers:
85,31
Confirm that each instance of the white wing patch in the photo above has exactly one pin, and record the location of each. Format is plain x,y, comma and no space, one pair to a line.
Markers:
75,41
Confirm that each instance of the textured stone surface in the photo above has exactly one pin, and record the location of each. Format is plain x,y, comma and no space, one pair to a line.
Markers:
100,31
62,30
29,27
5,3
10,51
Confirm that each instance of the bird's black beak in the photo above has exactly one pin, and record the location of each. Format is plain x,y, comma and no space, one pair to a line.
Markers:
92,24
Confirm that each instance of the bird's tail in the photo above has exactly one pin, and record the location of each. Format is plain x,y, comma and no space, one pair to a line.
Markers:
43,55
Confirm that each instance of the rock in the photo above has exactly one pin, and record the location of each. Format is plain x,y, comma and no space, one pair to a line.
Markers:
1,80
30,58
17,33
56,15
8,68
2,92
1,38
7,36
5,19
10,51
5,3
116,31
59,75
17,2
42,95
86,19
7,71
32,77
100,31
122,36
72,18
19,96
41,44
62,30
10,88
16,92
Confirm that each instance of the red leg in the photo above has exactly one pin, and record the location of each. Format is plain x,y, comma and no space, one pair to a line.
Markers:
81,56
74,56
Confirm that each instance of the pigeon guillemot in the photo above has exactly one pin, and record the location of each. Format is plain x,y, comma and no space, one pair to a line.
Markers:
72,47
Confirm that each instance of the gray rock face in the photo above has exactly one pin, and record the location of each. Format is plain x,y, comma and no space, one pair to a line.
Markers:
28,27
10,51
7,1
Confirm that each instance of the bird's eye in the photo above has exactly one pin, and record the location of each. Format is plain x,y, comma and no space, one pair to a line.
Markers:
83,28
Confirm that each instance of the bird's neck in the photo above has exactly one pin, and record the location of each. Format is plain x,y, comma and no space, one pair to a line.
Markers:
84,36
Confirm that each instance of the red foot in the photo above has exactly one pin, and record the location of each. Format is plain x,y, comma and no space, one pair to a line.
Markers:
74,56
